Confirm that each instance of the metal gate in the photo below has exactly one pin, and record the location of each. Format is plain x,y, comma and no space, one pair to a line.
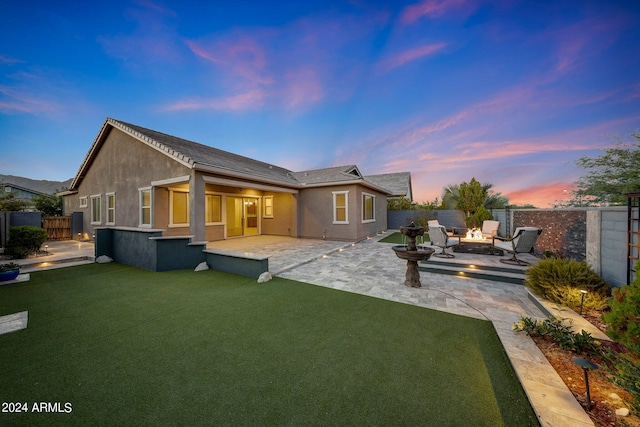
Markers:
58,227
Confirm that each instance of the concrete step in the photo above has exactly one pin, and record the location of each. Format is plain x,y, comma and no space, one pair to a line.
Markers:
497,274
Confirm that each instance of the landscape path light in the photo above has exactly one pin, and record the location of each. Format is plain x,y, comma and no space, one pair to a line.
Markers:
586,365
583,292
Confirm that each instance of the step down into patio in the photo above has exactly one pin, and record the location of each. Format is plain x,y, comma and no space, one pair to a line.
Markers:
496,274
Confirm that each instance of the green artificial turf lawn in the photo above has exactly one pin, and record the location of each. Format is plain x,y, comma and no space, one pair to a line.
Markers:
399,239
124,346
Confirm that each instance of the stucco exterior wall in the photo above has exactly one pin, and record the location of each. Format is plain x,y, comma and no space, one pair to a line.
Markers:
316,214
284,204
123,165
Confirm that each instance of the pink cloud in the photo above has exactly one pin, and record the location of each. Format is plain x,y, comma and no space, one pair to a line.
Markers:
540,196
244,101
241,56
428,8
397,60
21,102
8,60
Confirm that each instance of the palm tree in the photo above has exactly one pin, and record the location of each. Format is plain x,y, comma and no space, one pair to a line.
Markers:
450,196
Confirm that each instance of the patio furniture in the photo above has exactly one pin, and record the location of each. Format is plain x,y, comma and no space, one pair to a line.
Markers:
435,222
438,236
490,228
523,241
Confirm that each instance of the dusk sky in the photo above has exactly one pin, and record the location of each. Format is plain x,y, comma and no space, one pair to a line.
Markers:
508,92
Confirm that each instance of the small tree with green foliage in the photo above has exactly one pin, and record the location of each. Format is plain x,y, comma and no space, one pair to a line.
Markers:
472,196
624,317
608,176
9,203
480,215
49,205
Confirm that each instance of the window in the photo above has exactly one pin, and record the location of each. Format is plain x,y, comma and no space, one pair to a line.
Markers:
368,207
145,207
213,210
268,206
340,207
83,202
179,208
111,208
95,209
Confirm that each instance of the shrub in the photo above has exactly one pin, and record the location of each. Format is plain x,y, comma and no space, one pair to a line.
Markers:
625,372
25,240
560,280
560,333
624,317
480,215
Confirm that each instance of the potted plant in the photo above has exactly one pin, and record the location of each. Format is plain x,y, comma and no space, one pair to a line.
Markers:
9,271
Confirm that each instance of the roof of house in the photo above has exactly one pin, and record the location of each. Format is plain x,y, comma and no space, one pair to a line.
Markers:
398,184
203,157
32,185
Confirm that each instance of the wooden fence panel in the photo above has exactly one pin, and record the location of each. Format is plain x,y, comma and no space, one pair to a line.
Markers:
58,227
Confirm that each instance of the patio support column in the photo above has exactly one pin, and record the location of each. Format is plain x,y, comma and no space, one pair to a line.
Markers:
197,207
294,215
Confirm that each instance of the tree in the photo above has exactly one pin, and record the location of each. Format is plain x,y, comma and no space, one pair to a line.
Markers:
450,196
50,205
9,203
472,196
609,176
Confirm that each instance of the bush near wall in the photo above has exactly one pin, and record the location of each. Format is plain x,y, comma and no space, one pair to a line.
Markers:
563,232
25,240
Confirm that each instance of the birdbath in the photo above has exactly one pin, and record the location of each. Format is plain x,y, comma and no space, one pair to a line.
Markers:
412,254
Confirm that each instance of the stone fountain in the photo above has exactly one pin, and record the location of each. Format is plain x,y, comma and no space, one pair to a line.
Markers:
412,254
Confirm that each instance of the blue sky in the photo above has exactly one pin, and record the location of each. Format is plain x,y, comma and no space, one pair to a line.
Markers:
508,92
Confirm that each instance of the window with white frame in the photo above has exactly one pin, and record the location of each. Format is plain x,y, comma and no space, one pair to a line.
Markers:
111,208
268,207
341,207
213,209
145,207
96,209
178,208
84,201
368,207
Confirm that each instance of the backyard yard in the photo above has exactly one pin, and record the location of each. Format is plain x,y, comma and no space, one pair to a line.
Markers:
112,344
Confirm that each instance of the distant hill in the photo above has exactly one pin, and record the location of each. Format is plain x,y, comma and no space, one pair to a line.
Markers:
41,186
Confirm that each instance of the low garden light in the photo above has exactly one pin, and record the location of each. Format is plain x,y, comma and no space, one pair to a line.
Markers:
586,365
583,292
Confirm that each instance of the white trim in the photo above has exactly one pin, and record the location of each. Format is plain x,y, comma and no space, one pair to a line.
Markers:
346,207
169,181
172,224
245,184
265,206
140,207
373,207
209,193
107,222
99,213
86,201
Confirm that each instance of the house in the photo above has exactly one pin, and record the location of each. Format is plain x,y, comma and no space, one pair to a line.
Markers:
135,178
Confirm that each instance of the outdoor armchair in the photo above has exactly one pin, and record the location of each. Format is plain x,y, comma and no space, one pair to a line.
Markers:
438,236
490,228
523,241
